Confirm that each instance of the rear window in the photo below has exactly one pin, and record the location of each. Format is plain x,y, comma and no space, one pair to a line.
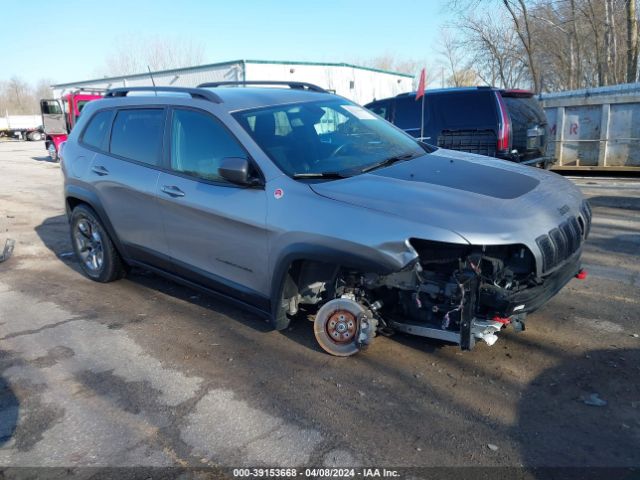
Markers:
97,128
408,113
463,110
137,135
524,110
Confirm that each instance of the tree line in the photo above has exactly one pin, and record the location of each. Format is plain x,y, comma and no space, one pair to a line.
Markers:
18,97
545,45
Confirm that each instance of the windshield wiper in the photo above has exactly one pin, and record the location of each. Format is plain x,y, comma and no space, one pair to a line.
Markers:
320,175
390,161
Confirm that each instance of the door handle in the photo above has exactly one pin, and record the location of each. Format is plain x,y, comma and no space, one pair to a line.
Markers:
172,191
100,170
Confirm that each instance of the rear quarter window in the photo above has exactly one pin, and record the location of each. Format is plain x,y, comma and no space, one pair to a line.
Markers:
95,133
524,110
382,109
137,135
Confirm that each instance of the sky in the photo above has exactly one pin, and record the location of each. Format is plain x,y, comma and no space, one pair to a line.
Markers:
69,40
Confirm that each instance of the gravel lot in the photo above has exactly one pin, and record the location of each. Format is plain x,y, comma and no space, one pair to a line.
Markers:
146,372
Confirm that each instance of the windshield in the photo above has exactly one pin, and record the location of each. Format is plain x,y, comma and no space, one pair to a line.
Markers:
327,137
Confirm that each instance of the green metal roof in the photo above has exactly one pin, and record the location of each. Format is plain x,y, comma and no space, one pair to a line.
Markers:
222,64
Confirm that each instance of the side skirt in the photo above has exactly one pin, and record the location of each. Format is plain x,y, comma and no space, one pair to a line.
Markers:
266,315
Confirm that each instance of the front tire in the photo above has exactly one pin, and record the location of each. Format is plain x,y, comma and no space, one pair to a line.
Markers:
53,153
98,257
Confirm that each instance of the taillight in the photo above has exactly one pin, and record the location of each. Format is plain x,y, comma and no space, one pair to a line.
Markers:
504,132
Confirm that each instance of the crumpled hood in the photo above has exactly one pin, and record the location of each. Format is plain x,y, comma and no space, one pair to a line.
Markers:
485,200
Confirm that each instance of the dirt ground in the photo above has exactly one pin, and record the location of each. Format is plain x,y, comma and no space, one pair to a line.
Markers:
146,372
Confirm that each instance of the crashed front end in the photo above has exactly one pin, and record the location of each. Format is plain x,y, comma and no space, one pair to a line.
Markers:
462,293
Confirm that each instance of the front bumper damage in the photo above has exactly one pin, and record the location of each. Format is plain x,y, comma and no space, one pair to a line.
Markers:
514,307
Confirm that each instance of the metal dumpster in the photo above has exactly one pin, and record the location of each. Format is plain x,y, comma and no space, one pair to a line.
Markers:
595,129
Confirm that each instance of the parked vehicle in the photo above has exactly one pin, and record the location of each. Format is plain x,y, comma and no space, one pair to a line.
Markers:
21,127
298,200
507,124
60,115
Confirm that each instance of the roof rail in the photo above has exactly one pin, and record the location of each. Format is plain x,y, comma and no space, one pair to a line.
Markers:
295,85
194,92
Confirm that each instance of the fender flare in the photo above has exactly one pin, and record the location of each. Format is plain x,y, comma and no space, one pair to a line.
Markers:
90,198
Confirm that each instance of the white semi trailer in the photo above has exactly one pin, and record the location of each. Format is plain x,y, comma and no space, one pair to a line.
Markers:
22,127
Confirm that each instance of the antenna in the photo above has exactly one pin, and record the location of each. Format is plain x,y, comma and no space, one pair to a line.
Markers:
152,81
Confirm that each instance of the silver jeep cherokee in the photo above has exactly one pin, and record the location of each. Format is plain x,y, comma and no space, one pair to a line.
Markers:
293,200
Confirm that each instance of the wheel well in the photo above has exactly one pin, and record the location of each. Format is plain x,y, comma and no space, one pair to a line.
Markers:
309,279
73,202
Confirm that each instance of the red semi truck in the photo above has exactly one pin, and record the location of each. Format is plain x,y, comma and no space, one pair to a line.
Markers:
60,115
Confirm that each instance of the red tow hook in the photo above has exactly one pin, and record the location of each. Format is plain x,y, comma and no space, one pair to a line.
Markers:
582,274
503,320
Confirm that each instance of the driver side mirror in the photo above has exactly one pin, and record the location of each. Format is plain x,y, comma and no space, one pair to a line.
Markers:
237,170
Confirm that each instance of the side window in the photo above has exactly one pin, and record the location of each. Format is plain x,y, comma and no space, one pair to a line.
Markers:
97,129
137,135
382,108
330,122
50,107
199,143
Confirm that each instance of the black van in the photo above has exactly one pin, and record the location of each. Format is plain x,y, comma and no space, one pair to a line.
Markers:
508,124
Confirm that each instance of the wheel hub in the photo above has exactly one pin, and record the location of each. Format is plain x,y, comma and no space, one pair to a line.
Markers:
89,245
341,326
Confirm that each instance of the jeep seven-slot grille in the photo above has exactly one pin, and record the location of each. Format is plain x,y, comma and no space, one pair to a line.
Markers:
562,242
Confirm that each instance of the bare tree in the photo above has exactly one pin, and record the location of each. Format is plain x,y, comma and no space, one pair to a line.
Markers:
17,97
564,44
456,62
520,16
397,63
134,55
632,41
609,41
494,48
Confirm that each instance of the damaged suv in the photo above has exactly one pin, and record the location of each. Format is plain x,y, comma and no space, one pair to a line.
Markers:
292,200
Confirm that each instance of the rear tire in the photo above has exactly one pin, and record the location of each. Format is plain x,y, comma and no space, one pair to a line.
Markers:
34,136
98,257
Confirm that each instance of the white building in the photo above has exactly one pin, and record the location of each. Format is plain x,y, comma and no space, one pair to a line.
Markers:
360,84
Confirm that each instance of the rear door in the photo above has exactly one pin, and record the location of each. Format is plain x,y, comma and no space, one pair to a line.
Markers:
53,118
126,179
215,230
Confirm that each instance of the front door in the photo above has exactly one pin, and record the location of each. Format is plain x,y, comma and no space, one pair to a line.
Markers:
215,230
